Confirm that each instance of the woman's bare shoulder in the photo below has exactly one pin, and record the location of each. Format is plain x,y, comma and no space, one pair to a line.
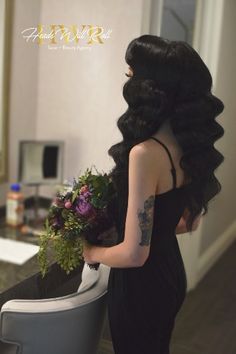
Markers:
149,156
149,149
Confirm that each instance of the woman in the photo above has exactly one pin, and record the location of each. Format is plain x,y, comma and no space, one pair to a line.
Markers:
164,175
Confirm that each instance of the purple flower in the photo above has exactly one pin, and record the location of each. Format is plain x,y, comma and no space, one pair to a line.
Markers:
87,194
81,198
83,206
57,222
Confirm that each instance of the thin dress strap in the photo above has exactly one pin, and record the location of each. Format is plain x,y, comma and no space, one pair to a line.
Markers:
173,172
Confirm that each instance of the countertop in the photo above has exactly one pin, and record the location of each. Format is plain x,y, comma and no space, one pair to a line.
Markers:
26,282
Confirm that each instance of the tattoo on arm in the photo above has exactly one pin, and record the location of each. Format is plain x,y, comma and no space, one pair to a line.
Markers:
145,221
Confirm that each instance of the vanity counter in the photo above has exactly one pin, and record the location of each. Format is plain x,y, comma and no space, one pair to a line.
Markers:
25,281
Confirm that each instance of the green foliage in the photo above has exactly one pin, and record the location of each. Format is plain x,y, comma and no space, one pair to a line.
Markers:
43,246
68,253
67,247
65,229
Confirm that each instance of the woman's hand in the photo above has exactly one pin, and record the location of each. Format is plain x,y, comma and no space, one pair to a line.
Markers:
181,228
88,253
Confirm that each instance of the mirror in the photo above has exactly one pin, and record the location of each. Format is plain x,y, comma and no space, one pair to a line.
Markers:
41,162
5,41
178,20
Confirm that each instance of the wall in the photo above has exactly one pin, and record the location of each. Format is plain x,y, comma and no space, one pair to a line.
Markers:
80,93
222,209
23,87
73,96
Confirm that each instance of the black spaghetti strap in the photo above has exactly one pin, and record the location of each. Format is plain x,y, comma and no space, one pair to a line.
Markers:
173,172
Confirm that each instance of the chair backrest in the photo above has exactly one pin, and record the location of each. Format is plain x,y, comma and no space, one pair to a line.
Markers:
69,324
88,278
6,348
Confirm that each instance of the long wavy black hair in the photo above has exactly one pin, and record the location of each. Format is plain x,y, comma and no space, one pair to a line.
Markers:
171,82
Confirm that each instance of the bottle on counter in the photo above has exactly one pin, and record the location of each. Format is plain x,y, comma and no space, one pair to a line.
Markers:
15,206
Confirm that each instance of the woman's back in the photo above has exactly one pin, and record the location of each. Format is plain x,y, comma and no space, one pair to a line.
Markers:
146,299
168,81
168,145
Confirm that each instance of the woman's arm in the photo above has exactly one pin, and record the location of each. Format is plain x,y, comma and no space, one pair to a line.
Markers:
134,250
121,255
181,227
118,256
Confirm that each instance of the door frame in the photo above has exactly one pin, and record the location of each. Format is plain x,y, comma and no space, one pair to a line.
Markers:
206,41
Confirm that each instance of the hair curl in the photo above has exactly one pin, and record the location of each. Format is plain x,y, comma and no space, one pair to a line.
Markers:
171,82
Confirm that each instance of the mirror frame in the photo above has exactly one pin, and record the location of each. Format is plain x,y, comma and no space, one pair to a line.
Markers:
7,41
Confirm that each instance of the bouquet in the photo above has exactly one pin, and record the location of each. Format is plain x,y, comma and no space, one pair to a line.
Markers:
79,212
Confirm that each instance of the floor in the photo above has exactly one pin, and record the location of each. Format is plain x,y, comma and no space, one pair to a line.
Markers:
206,323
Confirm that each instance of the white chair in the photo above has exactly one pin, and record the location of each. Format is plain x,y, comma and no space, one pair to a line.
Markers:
71,324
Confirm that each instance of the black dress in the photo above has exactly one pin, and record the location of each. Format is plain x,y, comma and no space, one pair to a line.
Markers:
143,301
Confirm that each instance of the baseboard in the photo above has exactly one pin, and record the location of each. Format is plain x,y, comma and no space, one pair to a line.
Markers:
105,347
